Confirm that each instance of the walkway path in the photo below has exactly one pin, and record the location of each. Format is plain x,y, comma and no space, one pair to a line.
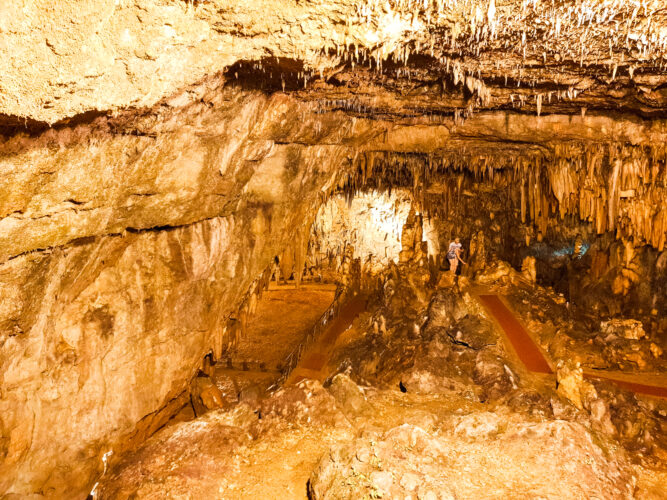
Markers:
535,361
317,355
284,316
523,344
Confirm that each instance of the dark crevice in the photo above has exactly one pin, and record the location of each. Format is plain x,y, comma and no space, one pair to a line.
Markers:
91,239
11,125
270,74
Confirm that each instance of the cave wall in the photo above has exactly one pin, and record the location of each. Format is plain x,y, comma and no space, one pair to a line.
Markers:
123,256
172,165
142,189
370,222
539,57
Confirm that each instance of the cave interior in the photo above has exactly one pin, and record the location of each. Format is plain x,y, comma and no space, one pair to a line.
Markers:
332,249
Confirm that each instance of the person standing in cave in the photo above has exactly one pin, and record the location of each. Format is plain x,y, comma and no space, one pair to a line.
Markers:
454,255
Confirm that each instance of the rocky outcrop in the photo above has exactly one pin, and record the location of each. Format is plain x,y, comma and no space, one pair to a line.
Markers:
354,442
528,460
232,453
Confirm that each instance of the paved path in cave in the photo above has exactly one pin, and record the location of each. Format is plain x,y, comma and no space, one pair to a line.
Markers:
524,346
534,359
284,316
317,355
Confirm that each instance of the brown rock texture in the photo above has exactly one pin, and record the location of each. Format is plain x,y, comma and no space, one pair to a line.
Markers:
100,55
104,321
542,460
103,54
156,155
127,241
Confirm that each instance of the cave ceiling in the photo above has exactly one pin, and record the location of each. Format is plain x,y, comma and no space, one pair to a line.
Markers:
482,85
398,58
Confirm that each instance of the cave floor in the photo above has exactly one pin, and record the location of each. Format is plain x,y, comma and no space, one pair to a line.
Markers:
447,412
284,316
315,359
564,331
525,347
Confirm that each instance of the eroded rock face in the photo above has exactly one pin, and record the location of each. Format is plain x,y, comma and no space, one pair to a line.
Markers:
170,167
371,223
110,331
101,330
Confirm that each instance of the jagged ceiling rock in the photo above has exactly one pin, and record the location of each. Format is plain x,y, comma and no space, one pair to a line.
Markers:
110,54
193,157
167,170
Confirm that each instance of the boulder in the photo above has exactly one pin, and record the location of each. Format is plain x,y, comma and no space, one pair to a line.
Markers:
204,395
349,397
629,329
572,386
491,374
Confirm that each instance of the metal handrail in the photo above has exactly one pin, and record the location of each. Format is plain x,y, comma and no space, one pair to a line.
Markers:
293,358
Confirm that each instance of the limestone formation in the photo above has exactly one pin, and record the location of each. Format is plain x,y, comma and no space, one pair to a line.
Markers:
571,384
164,162
407,460
627,328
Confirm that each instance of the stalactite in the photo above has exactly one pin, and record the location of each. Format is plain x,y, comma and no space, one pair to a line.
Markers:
571,181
